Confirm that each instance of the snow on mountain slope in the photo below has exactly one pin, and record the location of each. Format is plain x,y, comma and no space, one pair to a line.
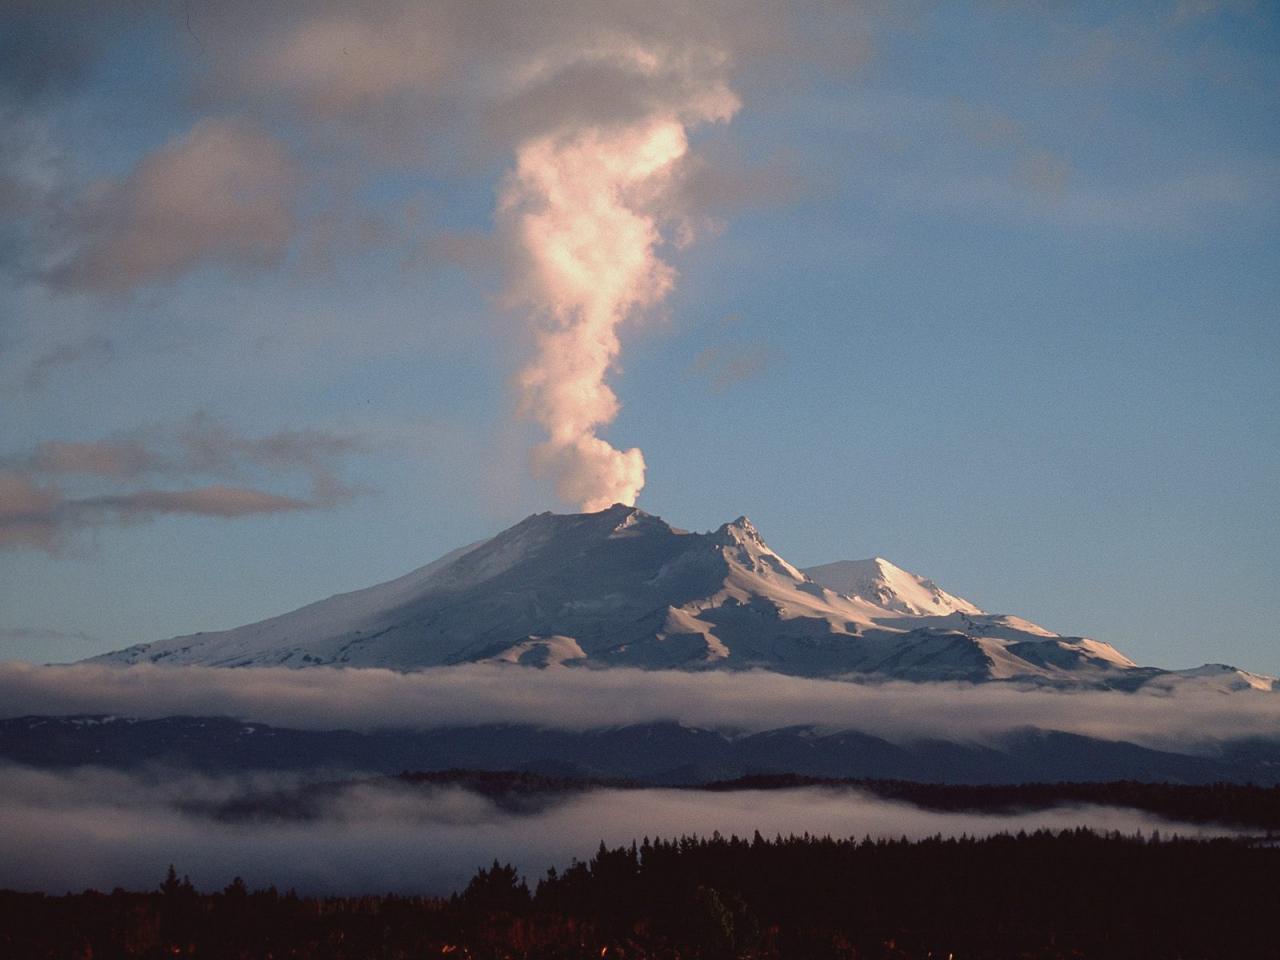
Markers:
1218,677
623,588
880,582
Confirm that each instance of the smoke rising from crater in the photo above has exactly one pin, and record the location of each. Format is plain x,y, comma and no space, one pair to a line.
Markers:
586,207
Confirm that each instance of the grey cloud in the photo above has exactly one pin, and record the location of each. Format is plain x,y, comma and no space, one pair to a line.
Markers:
25,634
442,86
717,183
323,698
732,359
36,512
34,178
337,59
199,445
45,48
122,459
1185,201
958,156
986,127
1185,11
1187,205
727,365
222,193
414,83
34,64
41,517
1142,47
1045,173
468,249
212,501
27,511
605,89
1034,165
1190,202
94,828
214,447
325,237
93,350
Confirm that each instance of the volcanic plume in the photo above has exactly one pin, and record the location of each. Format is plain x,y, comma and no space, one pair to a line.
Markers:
585,206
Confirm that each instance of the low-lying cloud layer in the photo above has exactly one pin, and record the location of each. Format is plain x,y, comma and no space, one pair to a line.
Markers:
91,828
322,698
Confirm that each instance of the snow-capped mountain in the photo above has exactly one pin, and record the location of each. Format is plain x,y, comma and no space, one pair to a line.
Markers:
624,588
888,586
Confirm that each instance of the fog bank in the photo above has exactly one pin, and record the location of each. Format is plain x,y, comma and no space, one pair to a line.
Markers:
101,829
321,698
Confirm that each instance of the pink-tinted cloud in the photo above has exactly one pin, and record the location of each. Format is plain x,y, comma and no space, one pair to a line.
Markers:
217,500
104,458
337,61
211,446
26,512
596,102
726,365
103,478
222,193
42,517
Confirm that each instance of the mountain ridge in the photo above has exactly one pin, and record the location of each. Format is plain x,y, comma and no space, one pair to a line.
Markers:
621,587
656,753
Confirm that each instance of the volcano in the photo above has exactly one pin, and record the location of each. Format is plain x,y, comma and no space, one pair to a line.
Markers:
623,588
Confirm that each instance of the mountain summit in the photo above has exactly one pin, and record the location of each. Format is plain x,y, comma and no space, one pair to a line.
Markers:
623,588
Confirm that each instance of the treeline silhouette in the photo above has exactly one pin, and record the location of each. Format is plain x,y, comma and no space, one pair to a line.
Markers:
1041,895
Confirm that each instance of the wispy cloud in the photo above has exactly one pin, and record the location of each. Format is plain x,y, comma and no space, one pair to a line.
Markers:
726,365
987,165
38,510
41,517
124,459
1186,11
92,350
1034,164
221,193
731,358
42,635
365,87
212,501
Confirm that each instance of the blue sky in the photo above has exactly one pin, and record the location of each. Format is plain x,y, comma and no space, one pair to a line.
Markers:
988,289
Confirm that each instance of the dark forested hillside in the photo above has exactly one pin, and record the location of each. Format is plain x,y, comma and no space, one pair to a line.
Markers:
1072,894
654,753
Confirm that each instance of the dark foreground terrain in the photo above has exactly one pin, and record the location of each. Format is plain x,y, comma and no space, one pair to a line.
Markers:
1072,894
652,753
